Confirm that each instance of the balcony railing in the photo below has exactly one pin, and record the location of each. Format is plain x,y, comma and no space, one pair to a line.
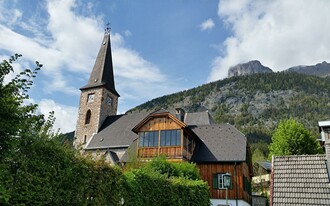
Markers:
169,152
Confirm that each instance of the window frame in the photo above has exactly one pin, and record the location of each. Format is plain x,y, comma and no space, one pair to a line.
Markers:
216,177
147,137
168,140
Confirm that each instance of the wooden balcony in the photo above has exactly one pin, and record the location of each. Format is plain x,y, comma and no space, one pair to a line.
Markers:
171,152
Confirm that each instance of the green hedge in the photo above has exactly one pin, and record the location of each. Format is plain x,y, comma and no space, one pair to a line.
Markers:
163,183
44,172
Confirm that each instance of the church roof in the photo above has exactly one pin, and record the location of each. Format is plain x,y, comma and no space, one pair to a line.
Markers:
116,131
102,74
220,142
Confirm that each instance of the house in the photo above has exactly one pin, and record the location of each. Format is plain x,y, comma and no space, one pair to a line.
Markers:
180,136
261,178
302,179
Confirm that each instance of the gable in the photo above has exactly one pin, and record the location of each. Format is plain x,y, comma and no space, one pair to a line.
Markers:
159,121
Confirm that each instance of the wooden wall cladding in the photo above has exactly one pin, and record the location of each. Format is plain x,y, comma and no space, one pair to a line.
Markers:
237,191
164,123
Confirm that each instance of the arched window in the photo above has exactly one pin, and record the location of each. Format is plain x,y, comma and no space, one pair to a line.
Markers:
88,117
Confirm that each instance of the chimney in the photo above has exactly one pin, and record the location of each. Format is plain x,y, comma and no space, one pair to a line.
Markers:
180,113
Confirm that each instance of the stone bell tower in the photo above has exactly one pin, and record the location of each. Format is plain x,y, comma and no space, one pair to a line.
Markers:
98,98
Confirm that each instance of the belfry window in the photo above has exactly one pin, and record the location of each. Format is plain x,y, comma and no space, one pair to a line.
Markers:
88,117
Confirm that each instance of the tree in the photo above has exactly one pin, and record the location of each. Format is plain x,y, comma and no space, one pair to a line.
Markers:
16,118
292,138
35,167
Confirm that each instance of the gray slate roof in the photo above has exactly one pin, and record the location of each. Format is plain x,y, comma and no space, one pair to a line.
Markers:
300,180
199,118
220,142
116,131
102,73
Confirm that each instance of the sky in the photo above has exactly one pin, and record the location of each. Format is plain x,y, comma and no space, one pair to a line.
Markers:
159,47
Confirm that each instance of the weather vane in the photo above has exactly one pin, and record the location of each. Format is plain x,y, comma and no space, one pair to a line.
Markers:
107,29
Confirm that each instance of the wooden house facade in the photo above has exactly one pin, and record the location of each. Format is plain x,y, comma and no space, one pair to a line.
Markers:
181,137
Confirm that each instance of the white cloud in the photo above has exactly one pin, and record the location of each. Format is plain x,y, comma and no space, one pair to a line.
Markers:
207,25
67,42
279,33
9,16
66,116
73,46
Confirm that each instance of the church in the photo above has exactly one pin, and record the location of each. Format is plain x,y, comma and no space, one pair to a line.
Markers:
216,149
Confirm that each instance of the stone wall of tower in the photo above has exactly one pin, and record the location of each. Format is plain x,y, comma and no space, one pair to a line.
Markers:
99,108
107,109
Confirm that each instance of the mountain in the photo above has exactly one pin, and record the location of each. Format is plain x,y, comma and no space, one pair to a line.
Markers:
321,69
248,68
255,103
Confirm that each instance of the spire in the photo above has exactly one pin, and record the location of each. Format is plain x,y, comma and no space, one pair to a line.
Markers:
102,74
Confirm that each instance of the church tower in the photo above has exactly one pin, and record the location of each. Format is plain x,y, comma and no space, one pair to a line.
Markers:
99,98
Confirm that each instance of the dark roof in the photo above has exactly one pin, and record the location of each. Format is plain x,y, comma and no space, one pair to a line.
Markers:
300,180
116,131
102,74
220,143
199,118
265,165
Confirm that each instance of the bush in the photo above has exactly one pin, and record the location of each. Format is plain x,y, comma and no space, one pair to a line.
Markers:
163,183
44,172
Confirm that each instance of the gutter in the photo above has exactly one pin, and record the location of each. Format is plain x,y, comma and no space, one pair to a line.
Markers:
107,147
236,194
271,183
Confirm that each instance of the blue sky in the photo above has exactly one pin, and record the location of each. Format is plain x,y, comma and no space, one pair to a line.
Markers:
159,47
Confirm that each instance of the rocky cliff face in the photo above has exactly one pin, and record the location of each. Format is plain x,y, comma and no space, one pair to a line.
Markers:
251,67
321,69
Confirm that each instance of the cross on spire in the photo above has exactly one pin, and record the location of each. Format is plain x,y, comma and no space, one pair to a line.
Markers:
107,29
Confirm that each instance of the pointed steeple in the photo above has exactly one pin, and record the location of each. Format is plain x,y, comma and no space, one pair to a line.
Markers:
102,74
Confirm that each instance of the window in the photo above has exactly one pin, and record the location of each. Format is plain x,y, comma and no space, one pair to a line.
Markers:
218,181
90,97
149,139
109,100
170,137
246,185
88,117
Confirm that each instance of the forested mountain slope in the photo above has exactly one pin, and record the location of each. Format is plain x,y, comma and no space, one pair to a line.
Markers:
255,103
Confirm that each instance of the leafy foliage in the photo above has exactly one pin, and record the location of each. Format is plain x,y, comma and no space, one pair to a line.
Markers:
16,118
292,138
159,182
35,167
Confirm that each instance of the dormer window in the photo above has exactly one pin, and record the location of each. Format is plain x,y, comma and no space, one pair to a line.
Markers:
149,139
170,137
